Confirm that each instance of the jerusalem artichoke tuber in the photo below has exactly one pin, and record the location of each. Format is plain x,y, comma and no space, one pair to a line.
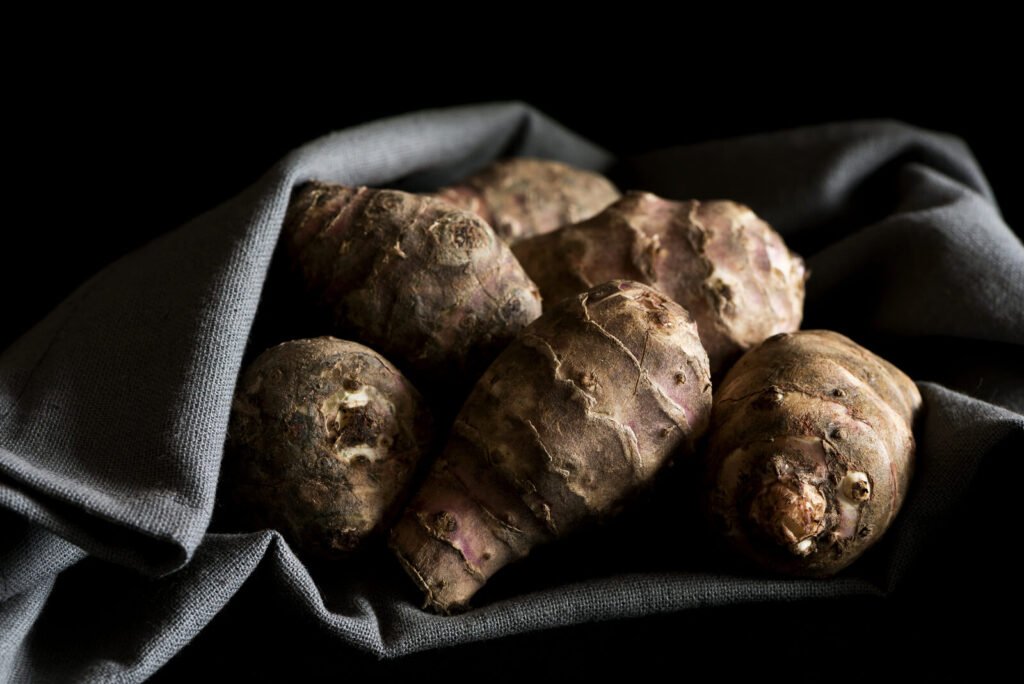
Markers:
324,437
523,197
427,284
810,451
727,267
574,416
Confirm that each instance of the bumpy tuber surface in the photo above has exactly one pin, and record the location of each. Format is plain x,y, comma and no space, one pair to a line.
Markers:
429,285
810,451
574,416
324,437
522,197
727,267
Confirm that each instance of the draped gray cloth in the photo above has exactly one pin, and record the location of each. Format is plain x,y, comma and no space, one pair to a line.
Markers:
113,409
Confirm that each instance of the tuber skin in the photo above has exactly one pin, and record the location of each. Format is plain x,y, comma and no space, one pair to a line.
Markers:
522,197
727,267
426,284
573,418
324,437
810,452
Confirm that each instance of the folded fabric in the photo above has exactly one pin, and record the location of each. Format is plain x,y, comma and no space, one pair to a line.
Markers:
113,410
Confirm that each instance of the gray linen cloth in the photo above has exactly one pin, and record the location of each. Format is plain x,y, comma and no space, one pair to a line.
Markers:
113,409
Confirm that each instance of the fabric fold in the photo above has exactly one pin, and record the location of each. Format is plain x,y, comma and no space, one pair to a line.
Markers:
113,409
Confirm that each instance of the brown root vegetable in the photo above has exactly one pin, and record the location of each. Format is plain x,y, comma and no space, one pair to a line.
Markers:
727,267
810,451
523,197
429,285
575,416
323,440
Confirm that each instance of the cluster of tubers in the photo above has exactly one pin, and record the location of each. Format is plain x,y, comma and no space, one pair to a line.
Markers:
565,415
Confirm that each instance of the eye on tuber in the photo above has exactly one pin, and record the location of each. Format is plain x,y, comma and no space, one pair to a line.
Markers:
810,451
727,267
522,197
426,284
323,439
571,419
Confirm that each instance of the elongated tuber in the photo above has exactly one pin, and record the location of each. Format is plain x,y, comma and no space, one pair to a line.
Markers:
426,284
522,197
573,417
810,451
324,437
727,267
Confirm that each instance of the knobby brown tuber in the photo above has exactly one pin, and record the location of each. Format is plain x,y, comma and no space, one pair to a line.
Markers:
522,197
810,451
727,267
324,437
428,285
574,416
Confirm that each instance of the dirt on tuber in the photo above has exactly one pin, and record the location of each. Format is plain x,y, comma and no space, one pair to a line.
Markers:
726,266
324,437
810,452
572,419
522,197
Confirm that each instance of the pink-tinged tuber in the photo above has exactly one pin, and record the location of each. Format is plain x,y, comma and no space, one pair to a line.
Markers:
428,285
323,440
810,451
727,267
575,416
522,197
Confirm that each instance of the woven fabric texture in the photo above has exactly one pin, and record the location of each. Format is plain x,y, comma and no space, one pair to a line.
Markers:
113,410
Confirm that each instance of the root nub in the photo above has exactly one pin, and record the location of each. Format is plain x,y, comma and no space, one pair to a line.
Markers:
856,487
791,514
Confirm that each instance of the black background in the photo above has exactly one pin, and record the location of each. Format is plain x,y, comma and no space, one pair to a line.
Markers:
113,141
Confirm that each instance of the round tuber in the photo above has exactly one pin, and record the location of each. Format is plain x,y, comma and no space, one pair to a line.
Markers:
572,418
324,437
810,451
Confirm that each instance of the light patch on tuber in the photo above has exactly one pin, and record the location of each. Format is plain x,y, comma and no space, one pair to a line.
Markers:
346,399
804,548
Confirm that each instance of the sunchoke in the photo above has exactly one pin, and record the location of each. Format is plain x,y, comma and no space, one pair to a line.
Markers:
574,416
810,451
428,285
522,197
324,437
727,267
